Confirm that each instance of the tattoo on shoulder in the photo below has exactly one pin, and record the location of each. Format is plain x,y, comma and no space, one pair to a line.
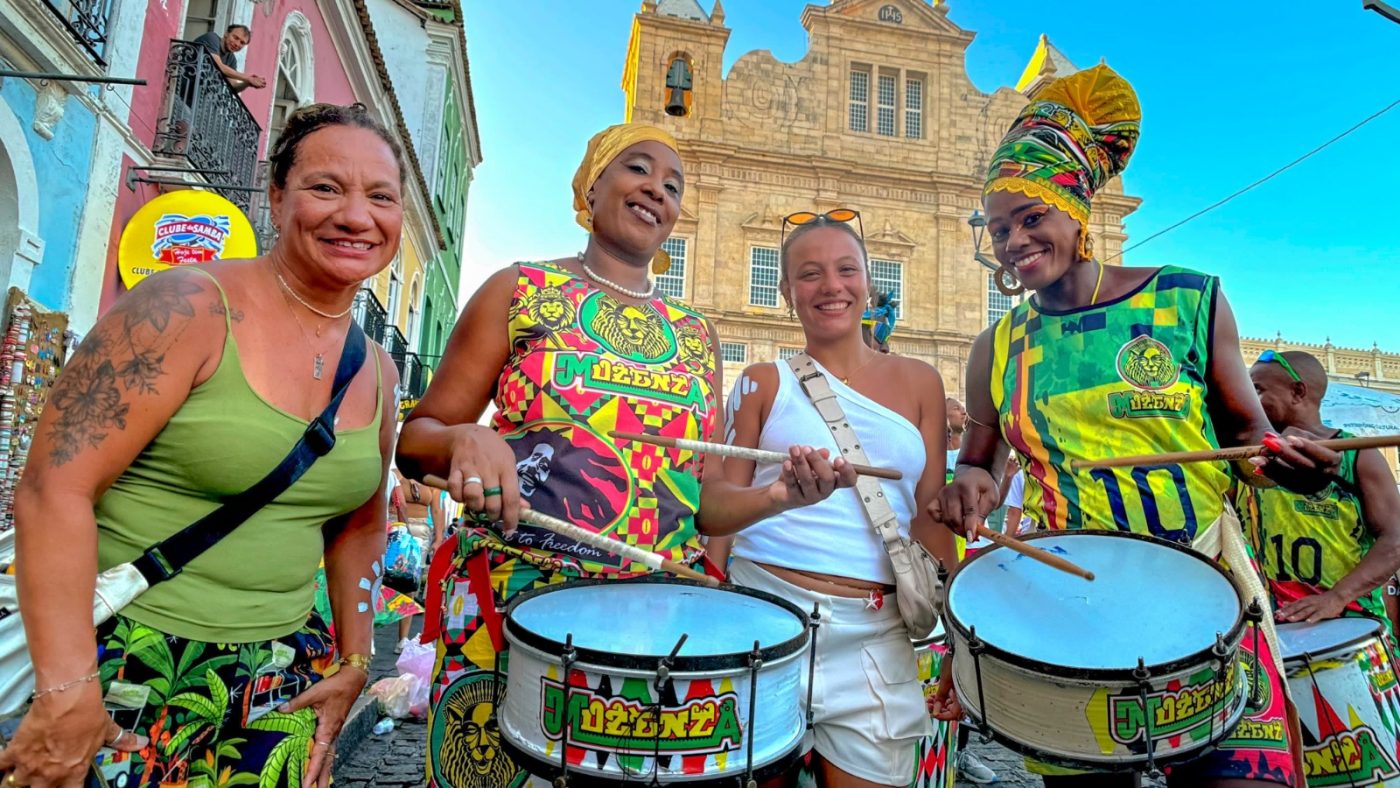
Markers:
124,357
217,309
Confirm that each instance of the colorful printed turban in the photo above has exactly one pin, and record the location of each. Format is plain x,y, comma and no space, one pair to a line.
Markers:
1064,146
605,146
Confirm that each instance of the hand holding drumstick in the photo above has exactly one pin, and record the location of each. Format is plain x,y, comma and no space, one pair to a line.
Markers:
964,505
649,559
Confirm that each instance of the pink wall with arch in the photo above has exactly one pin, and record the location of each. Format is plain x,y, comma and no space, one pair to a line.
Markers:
332,84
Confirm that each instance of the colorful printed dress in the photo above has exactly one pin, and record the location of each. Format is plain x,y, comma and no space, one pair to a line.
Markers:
581,364
1128,377
1308,543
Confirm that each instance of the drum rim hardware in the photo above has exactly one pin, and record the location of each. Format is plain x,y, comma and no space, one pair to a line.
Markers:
1336,650
646,663
952,624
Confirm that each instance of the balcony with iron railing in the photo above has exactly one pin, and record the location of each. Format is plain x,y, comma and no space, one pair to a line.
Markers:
87,21
371,315
205,123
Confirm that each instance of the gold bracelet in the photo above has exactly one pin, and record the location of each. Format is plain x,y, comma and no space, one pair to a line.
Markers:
357,661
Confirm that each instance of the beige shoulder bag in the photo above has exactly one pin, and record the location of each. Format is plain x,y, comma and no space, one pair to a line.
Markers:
918,591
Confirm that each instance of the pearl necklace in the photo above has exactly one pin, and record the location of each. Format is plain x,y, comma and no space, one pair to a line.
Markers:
638,294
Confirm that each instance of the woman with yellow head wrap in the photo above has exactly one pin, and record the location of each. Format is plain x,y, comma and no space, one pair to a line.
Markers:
567,351
1108,361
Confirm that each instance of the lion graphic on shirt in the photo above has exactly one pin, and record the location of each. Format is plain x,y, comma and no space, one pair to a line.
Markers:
629,331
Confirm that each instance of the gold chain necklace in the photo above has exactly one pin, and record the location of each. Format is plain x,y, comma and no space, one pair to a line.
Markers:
302,301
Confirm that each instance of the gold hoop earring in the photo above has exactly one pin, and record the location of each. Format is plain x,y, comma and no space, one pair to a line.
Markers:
1006,281
1086,246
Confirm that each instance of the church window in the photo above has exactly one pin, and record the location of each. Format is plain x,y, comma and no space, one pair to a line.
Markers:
885,123
860,99
763,276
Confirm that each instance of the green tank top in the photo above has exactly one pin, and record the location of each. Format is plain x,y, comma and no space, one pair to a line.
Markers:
1308,543
256,584
1124,377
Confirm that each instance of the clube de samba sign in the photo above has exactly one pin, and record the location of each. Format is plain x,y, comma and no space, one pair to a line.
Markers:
185,227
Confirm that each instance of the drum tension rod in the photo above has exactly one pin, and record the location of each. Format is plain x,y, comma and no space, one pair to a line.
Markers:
813,621
976,646
1142,674
567,660
755,664
1220,651
663,677
1255,615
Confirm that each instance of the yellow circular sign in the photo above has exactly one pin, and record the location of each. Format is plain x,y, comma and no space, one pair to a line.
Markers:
186,227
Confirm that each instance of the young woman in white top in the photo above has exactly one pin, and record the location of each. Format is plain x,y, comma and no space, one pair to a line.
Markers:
801,535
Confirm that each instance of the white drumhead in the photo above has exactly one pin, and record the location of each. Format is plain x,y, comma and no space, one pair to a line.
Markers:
646,619
1148,600
1297,639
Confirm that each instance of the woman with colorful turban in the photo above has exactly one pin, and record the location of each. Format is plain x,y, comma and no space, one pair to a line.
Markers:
542,341
1100,336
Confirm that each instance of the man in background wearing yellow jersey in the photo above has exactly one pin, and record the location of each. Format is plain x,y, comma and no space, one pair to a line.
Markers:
1330,553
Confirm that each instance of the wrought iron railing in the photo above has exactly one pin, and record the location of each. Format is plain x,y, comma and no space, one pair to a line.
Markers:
261,213
87,21
397,345
414,380
205,122
371,315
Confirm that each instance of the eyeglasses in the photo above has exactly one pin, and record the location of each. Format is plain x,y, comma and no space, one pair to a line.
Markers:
834,216
1271,357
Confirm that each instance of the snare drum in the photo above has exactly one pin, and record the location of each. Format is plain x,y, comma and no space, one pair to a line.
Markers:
1061,668
1343,683
933,760
614,681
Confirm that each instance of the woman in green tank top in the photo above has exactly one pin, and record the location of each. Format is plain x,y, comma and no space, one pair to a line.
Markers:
190,390
1108,361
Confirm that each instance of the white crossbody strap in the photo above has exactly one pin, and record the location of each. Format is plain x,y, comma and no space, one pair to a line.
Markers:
872,496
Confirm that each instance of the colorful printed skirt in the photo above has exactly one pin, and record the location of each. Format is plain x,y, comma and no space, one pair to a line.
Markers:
209,708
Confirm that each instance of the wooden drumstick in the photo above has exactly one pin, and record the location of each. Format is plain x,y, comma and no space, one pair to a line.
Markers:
740,452
1237,453
1044,556
647,558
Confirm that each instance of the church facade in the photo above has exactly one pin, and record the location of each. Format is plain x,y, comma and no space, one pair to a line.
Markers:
879,115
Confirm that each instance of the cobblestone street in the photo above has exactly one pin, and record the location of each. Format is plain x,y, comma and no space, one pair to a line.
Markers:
396,758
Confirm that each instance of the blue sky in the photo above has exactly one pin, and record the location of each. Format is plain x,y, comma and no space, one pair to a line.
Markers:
1230,92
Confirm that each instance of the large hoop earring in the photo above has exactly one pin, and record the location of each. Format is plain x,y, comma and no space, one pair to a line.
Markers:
1006,281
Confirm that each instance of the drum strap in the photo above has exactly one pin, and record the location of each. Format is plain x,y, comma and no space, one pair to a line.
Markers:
919,590
1226,540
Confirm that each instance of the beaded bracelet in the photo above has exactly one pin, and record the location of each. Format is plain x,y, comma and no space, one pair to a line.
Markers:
67,685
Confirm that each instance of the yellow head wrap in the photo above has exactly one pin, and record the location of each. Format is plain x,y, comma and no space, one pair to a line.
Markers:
605,146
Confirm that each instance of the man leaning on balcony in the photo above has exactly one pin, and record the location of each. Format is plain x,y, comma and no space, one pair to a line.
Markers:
223,50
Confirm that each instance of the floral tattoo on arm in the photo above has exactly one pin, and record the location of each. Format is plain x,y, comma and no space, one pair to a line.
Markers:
120,360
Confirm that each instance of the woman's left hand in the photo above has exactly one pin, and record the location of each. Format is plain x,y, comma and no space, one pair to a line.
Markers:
331,699
1296,461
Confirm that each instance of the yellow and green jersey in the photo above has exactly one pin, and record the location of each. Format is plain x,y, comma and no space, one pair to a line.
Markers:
1307,543
1123,377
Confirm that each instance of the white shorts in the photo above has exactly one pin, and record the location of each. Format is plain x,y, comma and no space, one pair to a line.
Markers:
866,728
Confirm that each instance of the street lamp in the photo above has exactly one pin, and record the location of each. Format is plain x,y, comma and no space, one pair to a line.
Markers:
978,222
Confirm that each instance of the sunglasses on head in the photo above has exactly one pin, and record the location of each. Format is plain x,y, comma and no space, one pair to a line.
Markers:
1272,357
834,216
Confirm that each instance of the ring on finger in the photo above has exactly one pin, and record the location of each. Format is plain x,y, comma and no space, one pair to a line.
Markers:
490,491
471,480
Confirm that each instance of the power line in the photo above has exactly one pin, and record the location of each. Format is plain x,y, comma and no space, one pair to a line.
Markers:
1270,176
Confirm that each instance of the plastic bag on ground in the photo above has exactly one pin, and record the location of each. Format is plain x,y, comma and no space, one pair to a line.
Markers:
395,695
417,659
